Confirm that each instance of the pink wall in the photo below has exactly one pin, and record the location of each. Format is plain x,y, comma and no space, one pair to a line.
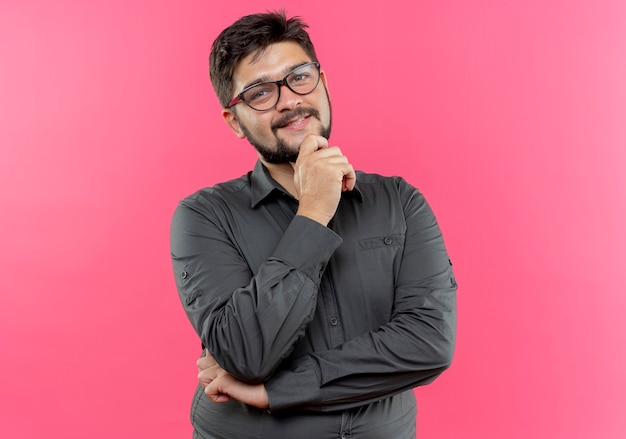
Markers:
510,116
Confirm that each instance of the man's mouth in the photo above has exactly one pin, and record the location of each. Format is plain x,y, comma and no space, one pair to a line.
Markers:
295,122
295,119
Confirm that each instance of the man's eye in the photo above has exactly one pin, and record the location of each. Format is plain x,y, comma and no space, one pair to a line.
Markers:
299,77
259,93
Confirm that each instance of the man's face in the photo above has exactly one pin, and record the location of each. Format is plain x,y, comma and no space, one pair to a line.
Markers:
277,133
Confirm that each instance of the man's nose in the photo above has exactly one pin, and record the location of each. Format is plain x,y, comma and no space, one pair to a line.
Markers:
287,99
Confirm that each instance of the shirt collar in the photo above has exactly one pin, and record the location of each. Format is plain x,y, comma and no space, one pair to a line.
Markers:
263,185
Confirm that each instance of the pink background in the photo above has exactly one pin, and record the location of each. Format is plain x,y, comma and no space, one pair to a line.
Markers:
510,116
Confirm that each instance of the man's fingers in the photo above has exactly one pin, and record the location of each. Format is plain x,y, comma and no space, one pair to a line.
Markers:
349,179
312,143
214,394
215,388
204,378
333,157
205,362
220,397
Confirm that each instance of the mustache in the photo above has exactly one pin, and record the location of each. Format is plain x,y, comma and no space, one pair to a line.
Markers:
299,111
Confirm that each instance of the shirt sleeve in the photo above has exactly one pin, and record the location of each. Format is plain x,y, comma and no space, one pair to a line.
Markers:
249,323
412,349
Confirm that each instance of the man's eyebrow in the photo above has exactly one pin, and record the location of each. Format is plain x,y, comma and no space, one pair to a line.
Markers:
288,69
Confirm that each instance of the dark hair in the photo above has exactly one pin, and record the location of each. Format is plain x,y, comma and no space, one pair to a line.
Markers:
250,34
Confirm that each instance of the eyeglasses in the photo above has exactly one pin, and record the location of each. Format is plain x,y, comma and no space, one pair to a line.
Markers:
265,95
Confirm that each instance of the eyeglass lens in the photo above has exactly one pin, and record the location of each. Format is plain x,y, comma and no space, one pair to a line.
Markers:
265,95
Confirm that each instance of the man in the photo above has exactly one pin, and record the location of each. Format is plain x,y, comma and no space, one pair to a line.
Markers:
323,295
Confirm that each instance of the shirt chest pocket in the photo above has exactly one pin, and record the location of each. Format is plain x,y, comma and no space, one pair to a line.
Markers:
383,242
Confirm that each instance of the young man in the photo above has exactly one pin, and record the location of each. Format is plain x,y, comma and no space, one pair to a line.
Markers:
323,295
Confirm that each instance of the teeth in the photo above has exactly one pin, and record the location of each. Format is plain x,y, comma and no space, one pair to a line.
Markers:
295,122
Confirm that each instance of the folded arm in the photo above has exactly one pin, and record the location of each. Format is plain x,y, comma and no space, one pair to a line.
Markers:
412,349
249,323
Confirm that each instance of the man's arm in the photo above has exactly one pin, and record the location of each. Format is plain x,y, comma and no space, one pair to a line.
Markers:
251,322
220,386
248,322
412,349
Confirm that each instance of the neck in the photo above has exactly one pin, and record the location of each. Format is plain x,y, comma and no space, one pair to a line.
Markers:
283,174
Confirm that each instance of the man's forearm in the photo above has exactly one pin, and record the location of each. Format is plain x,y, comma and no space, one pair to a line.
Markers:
250,323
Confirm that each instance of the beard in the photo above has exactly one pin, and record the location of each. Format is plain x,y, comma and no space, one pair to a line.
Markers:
282,152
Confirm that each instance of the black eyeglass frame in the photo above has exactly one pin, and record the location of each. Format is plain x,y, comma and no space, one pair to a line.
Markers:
280,83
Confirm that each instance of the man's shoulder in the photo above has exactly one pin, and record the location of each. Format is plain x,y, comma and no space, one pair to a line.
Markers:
368,178
219,191
376,187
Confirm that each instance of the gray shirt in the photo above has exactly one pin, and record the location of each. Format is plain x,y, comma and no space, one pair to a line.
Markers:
339,322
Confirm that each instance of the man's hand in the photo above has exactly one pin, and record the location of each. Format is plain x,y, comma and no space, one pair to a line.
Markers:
220,386
321,174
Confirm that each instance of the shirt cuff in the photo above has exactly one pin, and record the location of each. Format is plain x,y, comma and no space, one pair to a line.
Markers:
291,388
307,245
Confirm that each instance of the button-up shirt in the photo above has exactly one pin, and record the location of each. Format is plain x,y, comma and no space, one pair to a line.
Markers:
338,322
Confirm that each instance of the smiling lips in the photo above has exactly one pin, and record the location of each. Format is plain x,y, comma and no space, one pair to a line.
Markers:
295,119
296,123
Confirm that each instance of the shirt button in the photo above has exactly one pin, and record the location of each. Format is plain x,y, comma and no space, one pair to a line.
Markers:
388,240
183,275
333,321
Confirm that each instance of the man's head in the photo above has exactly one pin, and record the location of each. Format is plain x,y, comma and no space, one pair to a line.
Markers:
270,47
251,35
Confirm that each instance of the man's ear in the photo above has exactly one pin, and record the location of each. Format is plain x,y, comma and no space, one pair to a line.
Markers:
324,81
231,120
